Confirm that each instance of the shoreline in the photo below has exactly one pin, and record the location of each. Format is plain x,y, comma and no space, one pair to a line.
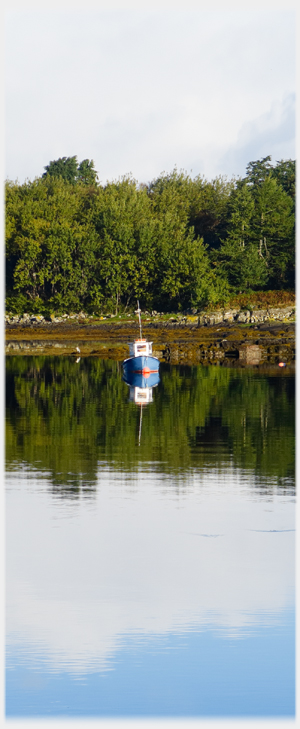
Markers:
175,342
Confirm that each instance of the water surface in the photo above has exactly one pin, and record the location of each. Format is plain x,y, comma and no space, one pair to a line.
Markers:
151,575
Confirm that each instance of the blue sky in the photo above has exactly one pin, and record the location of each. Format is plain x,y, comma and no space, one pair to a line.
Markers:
143,88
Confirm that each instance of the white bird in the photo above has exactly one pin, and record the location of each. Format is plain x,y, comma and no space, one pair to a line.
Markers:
77,349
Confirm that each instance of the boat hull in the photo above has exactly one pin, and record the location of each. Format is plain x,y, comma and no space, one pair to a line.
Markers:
135,379
144,365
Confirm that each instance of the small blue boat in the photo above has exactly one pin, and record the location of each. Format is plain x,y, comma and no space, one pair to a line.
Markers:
141,360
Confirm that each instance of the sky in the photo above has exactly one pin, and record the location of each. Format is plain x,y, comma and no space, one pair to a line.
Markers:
142,88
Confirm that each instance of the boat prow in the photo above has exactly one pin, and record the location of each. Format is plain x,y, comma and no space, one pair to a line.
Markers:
141,360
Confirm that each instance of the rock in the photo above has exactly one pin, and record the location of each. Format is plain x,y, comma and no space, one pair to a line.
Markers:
230,314
211,318
259,315
36,318
55,319
281,313
243,317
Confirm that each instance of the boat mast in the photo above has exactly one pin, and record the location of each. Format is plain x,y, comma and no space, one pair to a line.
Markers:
140,323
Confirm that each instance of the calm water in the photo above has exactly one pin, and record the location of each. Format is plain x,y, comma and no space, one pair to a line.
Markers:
150,564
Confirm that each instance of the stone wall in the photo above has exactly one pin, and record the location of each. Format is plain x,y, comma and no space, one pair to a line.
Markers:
242,316
200,318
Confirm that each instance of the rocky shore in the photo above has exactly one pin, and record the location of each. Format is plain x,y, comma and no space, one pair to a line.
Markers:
228,337
193,316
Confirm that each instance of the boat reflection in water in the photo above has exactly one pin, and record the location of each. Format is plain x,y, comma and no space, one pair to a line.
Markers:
141,390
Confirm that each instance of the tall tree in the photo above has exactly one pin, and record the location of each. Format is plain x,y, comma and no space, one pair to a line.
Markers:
273,231
51,244
285,175
86,172
208,208
124,225
239,256
182,275
258,171
65,167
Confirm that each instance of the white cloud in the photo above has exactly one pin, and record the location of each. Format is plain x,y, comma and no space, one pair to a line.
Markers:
141,91
274,130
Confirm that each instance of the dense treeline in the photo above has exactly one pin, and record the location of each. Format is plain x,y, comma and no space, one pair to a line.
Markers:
72,243
66,418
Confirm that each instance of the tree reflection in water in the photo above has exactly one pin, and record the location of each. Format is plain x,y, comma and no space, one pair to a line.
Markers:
65,418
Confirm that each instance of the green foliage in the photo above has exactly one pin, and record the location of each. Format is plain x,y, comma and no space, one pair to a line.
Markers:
73,244
182,272
69,170
209,208
258,171
259,248
273,231
239,256
285,174
64,167
51,243
124,228
86,172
